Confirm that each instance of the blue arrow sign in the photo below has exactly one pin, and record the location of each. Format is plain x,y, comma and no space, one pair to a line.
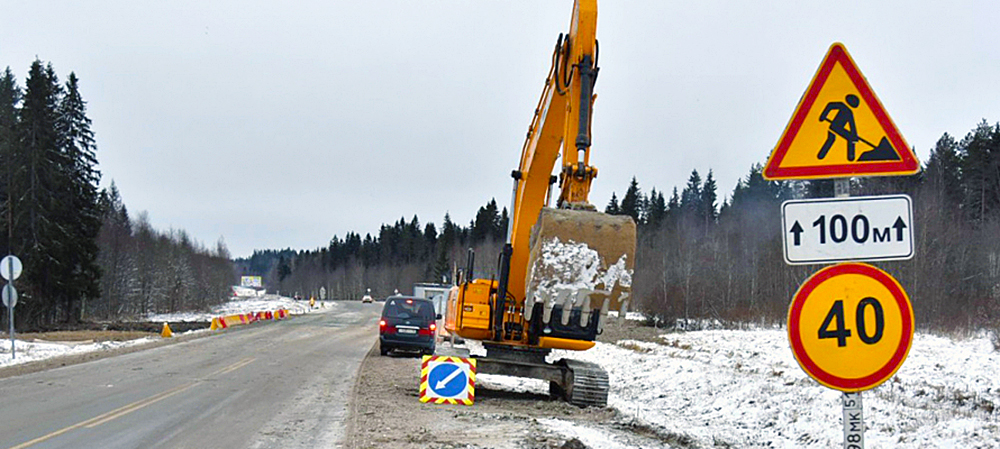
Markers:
447,380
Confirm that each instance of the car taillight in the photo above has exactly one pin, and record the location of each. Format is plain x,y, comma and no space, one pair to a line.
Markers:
434,326
381,323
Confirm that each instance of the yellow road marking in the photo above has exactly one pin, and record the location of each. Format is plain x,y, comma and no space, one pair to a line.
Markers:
124,410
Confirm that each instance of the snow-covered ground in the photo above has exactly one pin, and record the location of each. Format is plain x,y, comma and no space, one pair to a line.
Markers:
244,304
29,351
734,388
744,389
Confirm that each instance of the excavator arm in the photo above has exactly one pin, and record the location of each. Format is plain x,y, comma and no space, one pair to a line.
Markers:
561,122
561,268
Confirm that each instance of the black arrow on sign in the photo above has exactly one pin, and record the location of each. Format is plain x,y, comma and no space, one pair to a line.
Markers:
899,225
797,230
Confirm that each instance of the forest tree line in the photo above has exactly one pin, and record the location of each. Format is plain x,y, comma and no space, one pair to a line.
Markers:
399,256
83,257
701,259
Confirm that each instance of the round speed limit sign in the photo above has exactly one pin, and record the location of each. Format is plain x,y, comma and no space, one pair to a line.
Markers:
850,326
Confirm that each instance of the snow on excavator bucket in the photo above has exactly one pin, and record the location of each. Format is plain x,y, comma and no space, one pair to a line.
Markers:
581,260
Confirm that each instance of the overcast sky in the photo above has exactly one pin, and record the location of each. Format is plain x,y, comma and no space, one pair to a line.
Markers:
282,124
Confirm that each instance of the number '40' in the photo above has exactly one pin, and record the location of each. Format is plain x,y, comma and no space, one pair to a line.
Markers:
840,331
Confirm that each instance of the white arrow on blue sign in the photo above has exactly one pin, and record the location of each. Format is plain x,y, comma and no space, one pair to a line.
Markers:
448,380
830,230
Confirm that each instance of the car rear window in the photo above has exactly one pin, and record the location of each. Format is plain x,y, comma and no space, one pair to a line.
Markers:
408,308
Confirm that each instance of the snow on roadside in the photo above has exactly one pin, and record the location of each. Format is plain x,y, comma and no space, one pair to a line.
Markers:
744,388
30,351
267,303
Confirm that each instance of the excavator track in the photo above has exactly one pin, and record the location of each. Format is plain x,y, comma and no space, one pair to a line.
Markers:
586,384
582,384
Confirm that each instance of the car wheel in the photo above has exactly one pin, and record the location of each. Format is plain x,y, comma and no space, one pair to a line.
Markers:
383,350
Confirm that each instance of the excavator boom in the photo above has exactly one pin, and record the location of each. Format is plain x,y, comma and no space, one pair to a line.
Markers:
562,268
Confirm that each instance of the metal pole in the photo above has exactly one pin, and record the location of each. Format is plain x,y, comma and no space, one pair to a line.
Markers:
854,423
842,187
10,308
10,317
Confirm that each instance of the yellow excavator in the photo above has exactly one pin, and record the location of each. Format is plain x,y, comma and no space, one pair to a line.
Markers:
563,267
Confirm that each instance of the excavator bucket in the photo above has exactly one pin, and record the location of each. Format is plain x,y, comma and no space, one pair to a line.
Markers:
581,261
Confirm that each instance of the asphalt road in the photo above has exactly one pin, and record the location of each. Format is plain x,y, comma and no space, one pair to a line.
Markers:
282,384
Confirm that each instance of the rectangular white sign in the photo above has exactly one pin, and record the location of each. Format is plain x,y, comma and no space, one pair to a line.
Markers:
250,281
830,230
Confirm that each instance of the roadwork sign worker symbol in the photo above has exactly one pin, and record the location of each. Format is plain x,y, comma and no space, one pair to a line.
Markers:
839,129
842,125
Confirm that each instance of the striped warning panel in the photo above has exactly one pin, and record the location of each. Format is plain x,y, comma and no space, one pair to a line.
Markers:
448,380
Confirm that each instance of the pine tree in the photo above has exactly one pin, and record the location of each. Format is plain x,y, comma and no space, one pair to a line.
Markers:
39,182
486,222
691,196
631,205
10,97
449,234
82,214
706,202
657,210
980,151
612,207
943,170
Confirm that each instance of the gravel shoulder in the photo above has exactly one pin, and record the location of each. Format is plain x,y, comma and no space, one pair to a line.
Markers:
386,412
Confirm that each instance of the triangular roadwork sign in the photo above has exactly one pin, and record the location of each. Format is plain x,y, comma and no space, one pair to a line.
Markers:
840,129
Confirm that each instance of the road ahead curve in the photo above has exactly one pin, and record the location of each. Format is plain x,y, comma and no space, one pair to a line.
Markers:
279,384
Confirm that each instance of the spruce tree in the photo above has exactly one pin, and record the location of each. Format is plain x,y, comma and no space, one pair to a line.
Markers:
657,210
82,214
943,171
631,205
10,97
691,195
981,172
39,180
612,207
708,196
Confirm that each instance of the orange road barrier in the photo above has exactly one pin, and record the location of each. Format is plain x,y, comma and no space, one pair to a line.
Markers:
167,333
224,322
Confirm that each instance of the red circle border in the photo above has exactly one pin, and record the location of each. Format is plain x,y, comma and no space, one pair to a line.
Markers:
883,373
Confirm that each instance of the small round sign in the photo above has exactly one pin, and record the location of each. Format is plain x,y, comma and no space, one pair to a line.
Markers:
9,296
850,326
10,267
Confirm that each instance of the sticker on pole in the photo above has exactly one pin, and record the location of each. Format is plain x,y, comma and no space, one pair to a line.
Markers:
850,326
448,380
840,129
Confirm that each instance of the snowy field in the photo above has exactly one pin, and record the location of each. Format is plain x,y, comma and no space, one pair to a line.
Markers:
29,351
726,388
745,389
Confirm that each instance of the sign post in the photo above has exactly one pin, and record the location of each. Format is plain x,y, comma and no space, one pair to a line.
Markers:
849,325
854,424
10,269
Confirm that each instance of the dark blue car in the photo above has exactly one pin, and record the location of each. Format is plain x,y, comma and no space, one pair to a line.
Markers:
407,323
